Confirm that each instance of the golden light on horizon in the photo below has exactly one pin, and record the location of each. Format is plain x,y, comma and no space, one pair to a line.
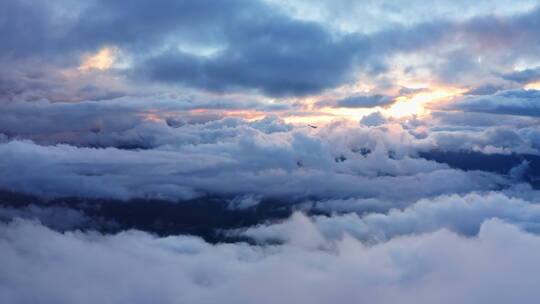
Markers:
103,60
532,86
417,104
349,113
153,118
248,115
314,119
404,107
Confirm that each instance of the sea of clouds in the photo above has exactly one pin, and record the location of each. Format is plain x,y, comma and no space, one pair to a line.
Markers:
186,168
371,220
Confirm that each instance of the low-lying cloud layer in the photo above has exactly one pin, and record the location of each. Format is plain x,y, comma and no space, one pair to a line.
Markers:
496,266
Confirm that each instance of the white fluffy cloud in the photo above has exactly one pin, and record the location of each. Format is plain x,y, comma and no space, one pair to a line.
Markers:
461,214
39,265
233,159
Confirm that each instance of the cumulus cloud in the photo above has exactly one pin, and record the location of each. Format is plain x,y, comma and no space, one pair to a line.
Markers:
126,119
133,266
156,148
461,214
373,120
236,159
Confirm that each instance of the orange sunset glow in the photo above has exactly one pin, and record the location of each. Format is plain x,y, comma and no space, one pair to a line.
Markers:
533,86
419,103
102,60
404,106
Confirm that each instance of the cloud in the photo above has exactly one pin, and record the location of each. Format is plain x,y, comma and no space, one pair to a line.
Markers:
55,217
280,58
511,102
484,90
523,76
126,121
158,148
363,101
375,16
274,54
231,157
439,266
373,120
461,214
477,119
219,119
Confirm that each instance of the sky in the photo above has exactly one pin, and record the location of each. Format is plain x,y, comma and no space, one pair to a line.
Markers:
269,151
